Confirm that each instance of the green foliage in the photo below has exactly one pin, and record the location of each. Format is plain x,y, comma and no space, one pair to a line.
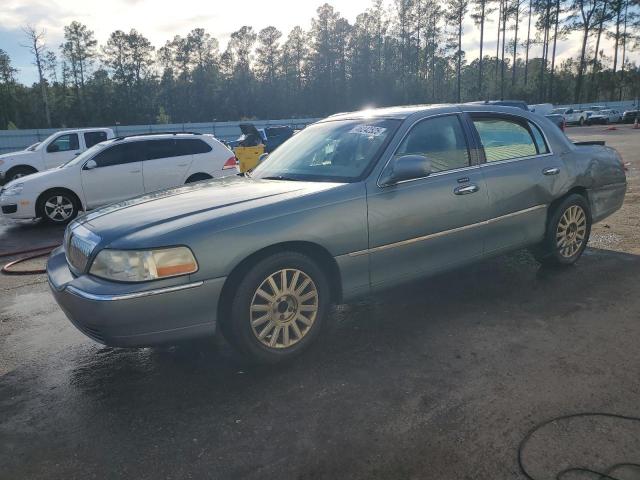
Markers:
399,52
11,126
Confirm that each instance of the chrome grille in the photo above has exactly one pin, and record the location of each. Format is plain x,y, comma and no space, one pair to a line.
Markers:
79,246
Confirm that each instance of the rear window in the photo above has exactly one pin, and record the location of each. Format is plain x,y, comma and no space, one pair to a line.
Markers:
92,138
193,146
504,139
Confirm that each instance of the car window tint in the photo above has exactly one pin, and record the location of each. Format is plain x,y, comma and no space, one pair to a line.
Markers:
540,142
440,139
162,148
504,139
120,154
91,138
64,143
188,146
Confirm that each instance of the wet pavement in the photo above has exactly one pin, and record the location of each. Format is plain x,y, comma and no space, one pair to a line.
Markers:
438,380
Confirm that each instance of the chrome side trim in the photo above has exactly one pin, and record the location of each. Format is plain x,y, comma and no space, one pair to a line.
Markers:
444,232
129,296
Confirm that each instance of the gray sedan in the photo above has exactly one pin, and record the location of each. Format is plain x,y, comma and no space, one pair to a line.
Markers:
355,203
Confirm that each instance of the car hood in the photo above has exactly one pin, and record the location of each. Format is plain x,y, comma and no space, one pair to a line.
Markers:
20,153
199,202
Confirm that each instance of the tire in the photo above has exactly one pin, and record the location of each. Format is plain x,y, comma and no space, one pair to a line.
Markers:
581,122
19,172
277,324
57,206
567,234
198,177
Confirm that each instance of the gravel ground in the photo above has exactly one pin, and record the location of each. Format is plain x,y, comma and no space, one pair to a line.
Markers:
440,380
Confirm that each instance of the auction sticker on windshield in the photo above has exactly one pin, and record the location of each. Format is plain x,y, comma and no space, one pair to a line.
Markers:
368,130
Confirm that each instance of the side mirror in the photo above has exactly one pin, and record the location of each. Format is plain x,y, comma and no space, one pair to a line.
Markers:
262,157
90,165
406,167
53,148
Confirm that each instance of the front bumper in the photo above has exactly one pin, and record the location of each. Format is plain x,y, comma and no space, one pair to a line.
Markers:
134,315
17,207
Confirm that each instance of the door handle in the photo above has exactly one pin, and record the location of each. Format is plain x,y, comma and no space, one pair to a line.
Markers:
466,190
134,171
551,171
183,164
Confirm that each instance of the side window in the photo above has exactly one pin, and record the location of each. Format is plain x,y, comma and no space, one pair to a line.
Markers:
541,145
504,139
64,143
119,154
164,148
91,138
441,139
193,146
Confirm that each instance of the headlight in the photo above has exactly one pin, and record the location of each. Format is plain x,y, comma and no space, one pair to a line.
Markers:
143,265
13,189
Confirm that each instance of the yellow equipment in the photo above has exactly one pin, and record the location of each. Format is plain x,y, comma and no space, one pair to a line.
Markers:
248,156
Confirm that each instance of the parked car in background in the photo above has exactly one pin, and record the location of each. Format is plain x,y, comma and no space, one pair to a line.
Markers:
116,170
52,152
605,116
353,204
571,116
543,109
558,120
504,103
630,116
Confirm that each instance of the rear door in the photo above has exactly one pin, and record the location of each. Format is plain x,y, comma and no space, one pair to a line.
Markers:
61,149
117,176
167,162
423,225
523,177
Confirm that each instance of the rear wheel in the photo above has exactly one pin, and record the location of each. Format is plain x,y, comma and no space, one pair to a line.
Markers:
278,308
58,207
568,230
582,122
198,177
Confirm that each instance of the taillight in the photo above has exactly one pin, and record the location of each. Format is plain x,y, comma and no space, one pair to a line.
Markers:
231,163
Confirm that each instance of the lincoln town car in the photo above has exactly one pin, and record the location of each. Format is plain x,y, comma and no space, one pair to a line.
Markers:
355,203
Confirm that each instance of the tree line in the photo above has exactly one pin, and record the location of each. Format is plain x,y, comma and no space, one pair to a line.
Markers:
408,51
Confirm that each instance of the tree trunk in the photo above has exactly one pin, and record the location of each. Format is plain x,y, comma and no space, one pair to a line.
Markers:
481,45
504,36
515,44
553,54
594,66
495,75
459,67
526,57
585,35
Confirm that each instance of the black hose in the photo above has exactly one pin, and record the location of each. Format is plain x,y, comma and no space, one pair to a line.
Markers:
599,475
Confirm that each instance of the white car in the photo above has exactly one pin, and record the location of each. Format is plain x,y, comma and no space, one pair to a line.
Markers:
571,115
605,116
116,170
52,152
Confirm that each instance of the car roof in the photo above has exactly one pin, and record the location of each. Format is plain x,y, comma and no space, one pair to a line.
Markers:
80,130
404,112
158,136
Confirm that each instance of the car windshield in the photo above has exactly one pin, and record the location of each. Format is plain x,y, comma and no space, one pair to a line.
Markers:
334,151
84,155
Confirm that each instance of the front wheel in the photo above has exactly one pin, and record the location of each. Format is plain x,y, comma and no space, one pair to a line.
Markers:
278,308
568,230
58,207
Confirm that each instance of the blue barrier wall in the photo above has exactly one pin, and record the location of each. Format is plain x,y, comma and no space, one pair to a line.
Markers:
12,140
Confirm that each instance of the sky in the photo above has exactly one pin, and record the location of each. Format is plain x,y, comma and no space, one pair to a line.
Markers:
161,20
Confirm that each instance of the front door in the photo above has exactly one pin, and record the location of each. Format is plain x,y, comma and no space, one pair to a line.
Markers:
61,149
428,224
117,175
523,177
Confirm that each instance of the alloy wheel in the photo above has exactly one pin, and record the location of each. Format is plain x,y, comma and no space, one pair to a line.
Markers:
284,308
571,231
58,208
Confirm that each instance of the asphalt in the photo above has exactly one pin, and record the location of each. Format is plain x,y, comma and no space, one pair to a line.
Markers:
438,380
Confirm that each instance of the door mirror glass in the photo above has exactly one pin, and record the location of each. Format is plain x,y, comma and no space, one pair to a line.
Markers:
406,167
90,165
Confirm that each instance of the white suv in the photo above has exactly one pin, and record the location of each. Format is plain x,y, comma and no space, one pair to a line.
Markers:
116,170
52,152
